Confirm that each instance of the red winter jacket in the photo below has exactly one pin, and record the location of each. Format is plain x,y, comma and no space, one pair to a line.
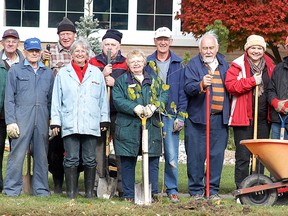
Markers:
239,84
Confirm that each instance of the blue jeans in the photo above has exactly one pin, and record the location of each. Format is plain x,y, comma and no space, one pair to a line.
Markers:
171,152
195,146
275,128
72,148
128,165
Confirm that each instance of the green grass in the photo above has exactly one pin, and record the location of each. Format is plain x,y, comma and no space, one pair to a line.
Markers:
60,205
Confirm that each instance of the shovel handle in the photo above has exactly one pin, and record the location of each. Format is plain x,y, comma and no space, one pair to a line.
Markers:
208,142
255,126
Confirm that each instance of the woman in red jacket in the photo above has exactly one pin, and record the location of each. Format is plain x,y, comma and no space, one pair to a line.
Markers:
245,73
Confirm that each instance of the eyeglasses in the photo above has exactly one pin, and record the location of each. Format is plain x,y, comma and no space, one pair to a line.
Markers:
136,62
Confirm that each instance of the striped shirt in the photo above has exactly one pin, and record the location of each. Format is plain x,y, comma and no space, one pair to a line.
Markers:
217,92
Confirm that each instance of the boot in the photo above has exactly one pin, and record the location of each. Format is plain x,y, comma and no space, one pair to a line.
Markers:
71,176
89,180
58,183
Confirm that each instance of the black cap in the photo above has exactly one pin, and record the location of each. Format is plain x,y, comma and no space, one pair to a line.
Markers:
66,25
114,34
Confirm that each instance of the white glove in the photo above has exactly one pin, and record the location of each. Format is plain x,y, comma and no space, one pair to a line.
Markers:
149,110
258,78
13,130
139,110
178,125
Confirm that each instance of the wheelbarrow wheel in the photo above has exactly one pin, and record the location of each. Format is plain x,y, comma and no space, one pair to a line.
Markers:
265,197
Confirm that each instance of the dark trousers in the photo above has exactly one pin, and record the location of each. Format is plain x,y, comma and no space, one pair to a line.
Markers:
128,175
2,147
195,147
242,154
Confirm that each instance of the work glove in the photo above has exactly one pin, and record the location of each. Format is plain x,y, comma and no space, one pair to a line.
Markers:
139,110
280,105
13,130
258,78
149,110
178,125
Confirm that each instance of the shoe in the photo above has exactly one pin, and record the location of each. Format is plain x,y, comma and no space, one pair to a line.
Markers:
197,197
174,198
215,197
131,200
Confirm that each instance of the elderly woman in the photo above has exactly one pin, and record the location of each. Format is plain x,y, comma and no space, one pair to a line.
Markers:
246,72
133,94
80,110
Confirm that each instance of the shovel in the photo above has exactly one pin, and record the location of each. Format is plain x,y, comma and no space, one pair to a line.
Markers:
27,179
143,190
107,185
207,142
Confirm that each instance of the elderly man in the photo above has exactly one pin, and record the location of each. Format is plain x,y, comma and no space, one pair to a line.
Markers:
27,105
206,70
172,73
9,55
111,70
59,56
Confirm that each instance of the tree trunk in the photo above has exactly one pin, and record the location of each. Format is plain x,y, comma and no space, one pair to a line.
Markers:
276,57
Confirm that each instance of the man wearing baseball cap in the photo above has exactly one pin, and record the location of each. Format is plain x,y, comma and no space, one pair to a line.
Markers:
171,73
27,107
111,41
9,55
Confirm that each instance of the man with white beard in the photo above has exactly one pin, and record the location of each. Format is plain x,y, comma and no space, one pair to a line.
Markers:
205,71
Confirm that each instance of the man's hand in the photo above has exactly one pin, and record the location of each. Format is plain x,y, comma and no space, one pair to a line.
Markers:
110,81
178,125
107,70
207,80
45,55
149,110
13,130
280,105
139,110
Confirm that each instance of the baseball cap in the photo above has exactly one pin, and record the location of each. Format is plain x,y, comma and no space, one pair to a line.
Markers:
32,43
10,33
163,32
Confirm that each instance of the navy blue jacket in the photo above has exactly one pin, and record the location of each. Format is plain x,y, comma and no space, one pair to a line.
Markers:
194,73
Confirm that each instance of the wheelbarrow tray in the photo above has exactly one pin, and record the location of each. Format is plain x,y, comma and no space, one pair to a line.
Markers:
272,153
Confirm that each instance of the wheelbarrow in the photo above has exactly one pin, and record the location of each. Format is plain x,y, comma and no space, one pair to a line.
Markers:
258,189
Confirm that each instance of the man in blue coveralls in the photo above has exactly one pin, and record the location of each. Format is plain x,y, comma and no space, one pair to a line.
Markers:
27,108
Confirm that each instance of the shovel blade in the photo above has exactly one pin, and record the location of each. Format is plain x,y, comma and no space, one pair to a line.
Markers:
140,198
106,187
27,184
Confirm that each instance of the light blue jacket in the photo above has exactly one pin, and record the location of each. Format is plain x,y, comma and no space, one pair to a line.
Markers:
79,108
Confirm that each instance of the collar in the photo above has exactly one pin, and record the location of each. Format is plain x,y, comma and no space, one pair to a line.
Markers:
40,64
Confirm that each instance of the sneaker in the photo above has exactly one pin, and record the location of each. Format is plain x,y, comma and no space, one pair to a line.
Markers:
215,197
197,197
174,198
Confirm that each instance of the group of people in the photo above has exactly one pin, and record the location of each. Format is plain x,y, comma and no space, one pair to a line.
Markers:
81,96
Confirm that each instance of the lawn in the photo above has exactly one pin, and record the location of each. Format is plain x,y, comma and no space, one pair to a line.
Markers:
60,205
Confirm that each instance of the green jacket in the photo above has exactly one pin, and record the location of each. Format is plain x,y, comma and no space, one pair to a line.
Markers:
127,94
3,74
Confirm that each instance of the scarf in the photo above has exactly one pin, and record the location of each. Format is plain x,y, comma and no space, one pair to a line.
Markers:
258,69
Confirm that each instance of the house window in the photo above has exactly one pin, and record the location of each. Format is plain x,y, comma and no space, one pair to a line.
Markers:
61,8
111,13
24,13
152,14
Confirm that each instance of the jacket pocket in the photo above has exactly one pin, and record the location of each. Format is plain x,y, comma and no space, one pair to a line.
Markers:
95,89
67,120
23,83
126,131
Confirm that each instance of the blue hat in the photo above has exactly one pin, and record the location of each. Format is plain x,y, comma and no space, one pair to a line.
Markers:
32,43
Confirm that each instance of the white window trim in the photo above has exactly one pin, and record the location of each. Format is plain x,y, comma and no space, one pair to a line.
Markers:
130,36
